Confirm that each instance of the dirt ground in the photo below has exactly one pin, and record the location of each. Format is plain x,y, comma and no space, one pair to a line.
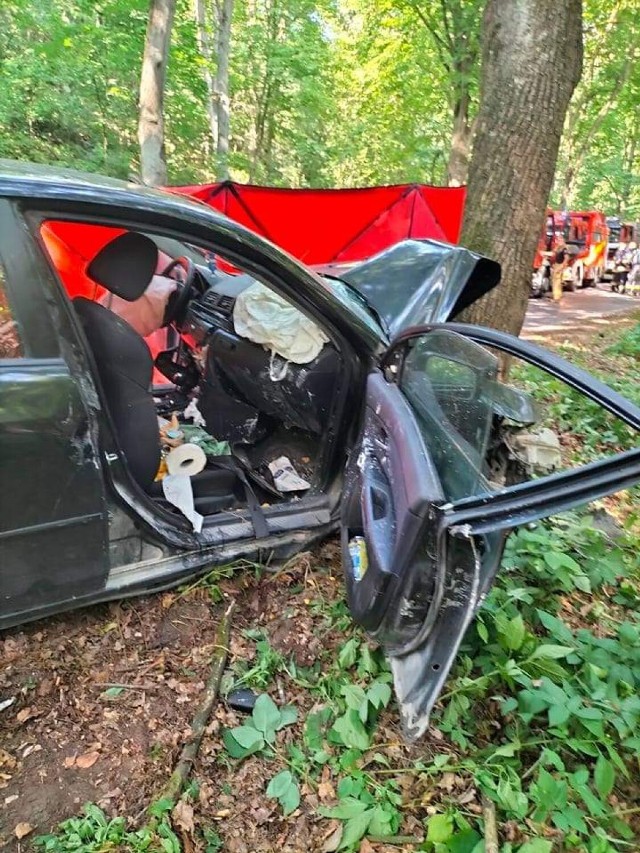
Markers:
104,698
96,705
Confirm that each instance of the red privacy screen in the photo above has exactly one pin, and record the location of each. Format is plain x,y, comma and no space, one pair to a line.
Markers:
325,226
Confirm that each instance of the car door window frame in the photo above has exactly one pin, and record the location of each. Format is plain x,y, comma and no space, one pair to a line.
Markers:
527,499
265,268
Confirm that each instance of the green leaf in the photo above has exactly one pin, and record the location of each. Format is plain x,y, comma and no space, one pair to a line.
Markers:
314,728
379,694
514,632
347,808
266,715
557,561
558,714
439,828
284,788
242,741
551,652
355,828
582,583
380,822
508,750
536,845
467,841
111,692
288,716
481,628
160,807
279,784
350,730
290,800
246,736
348,652
354,695
604,776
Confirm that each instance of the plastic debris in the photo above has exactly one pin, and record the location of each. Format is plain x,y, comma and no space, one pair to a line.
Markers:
179,492
193,413
242,699
538,450
285,476
211,446
359,557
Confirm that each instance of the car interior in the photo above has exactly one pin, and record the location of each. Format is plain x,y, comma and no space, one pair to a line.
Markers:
260,415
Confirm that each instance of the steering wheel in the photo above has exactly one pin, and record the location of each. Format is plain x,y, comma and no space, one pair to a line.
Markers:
177,303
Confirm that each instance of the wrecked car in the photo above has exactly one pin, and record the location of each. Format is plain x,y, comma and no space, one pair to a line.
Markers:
344,399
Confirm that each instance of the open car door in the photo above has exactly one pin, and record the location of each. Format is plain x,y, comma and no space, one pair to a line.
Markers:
424,520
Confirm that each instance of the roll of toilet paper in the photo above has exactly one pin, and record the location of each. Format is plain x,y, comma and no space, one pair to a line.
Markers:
186,459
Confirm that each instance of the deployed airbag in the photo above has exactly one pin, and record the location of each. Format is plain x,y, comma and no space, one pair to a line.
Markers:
261,316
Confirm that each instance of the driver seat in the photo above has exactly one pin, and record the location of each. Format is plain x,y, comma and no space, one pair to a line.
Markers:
124,365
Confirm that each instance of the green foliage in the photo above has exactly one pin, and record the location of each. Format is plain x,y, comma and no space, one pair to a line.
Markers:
567,704
284,788
93,832
260,732
594,431
268,661
598,163
628,344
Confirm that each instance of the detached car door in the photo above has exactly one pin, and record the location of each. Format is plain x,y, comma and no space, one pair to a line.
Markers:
433,488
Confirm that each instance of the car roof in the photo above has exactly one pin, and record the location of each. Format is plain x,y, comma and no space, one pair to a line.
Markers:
34,180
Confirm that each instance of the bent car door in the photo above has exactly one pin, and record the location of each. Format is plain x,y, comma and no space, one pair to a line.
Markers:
449,461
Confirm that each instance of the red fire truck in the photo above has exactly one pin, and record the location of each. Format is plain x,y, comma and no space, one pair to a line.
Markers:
585,234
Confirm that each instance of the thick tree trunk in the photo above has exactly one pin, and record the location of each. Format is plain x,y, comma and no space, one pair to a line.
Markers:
225,15
153,164
204,46
531,63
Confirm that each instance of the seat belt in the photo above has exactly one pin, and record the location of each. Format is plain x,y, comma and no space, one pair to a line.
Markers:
260,526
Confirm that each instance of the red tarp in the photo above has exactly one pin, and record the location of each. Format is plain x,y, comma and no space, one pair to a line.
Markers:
324,226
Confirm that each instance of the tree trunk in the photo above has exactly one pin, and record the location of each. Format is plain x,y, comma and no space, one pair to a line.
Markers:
531,63
204,46
225,15
153,164
461,136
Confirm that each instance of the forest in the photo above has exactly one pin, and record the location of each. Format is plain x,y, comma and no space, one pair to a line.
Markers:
319,93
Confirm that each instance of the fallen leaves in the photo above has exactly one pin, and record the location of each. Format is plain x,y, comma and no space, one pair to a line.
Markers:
26,714
22,830
84,761
182,816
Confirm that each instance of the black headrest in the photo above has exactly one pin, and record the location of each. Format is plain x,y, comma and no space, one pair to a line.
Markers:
126,265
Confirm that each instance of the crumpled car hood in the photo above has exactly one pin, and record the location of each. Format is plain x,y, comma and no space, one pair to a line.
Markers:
417,282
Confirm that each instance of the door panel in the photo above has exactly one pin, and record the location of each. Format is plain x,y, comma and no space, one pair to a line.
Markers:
53,519
463,414
391,487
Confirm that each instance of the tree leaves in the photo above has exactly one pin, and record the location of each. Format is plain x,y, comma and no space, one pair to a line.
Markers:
604,776
284,788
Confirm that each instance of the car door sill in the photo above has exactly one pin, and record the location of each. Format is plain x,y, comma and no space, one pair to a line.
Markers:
162,574
308,512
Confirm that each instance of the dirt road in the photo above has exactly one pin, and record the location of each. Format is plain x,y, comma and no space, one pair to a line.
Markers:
592,308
